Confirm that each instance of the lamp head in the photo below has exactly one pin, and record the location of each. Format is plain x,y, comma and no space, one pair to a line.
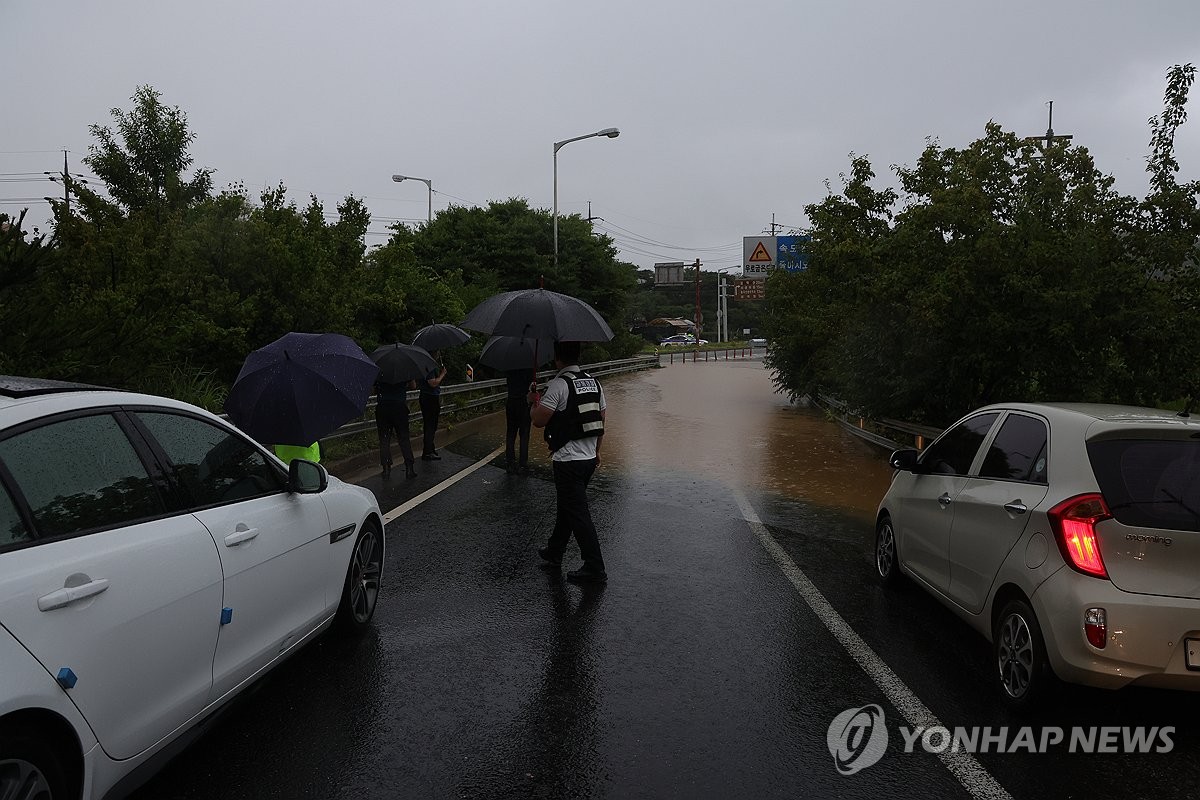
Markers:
398,178
611,133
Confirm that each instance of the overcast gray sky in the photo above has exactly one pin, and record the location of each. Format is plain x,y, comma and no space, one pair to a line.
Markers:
729,111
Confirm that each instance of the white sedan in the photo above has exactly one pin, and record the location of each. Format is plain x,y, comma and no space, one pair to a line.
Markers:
682,340
154,562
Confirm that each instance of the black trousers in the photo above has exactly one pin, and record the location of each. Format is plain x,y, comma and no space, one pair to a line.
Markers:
570,483
516,411
431,409
391,419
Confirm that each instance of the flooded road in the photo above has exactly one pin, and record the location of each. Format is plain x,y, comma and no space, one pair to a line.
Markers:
723,422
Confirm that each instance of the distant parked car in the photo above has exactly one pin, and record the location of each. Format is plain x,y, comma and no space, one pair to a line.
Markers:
758,342
682,340
154,562
1069,535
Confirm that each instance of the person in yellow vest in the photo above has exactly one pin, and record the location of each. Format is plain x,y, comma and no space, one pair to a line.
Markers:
286,452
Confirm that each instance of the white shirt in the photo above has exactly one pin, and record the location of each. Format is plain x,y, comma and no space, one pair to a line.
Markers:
556,398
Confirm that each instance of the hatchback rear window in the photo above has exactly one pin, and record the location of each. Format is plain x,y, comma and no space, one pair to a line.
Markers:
1150,483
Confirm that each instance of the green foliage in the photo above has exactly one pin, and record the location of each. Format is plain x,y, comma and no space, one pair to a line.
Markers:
157,283
1008,272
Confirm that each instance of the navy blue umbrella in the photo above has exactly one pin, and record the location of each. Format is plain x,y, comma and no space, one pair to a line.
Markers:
400,363
301,387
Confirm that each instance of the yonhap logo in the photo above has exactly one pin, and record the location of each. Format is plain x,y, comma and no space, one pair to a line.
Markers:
857,738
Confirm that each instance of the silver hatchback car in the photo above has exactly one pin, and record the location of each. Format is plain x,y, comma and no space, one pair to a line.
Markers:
1067,534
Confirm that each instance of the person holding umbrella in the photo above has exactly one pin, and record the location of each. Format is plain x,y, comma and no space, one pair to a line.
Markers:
399,367
391,416
516,356
434,338
430,401
572,415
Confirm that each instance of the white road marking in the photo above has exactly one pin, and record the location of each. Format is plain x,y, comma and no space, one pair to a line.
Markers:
405,507
963,766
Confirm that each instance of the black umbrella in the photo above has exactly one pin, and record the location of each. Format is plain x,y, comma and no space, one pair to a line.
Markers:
400,363
300,387
541,314
439,336
514,352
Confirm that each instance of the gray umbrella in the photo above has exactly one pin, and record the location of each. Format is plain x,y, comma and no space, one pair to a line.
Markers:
513,352
540,314
439,336
399,363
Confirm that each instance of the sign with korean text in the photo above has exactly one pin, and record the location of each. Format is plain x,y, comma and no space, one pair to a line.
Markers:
668,273
790,253
750,289
758,255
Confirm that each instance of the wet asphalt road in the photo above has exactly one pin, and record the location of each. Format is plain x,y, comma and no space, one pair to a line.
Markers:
698,671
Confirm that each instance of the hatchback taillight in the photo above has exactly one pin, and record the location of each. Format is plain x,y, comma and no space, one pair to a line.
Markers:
1074,523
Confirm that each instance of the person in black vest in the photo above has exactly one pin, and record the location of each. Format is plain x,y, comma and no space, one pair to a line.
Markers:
572,414
391,415
516,411
430,401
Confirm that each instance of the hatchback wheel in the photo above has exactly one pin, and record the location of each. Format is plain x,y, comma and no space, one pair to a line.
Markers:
29,770
361,592
1020,651
886,554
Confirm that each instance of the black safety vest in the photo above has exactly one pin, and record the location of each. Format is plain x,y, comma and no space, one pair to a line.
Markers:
581,419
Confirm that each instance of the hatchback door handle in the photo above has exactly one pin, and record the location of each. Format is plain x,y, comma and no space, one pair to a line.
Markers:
239,536
70,594
944,499
1015,507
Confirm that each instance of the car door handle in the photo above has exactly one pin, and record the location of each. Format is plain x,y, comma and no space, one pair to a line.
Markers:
239,536
1015,507
944,499
70,594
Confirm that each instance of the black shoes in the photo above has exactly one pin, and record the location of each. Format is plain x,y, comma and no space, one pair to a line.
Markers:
409,471
586,574
431,456
549,557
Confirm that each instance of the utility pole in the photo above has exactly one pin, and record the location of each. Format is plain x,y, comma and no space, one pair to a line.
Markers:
697,304
1050,138
66,184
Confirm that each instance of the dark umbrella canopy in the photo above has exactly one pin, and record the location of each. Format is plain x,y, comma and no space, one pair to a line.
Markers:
439,336
301,387
400,363
513,352
540,314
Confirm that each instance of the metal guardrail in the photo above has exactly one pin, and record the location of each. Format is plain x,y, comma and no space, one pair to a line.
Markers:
867,429
367,423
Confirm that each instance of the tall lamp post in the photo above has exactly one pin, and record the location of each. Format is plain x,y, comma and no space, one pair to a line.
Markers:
428,183
611,133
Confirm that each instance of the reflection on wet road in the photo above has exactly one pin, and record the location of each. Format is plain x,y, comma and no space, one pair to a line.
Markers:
697,672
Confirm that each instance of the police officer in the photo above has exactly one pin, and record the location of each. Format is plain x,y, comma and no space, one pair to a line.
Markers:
572,416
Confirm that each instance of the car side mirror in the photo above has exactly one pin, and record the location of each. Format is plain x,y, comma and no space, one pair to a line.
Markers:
905,459
306,477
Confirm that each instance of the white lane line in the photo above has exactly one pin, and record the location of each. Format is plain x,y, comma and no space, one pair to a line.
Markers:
404,508
963,766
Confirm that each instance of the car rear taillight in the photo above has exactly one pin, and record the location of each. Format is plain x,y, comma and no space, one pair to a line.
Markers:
1095,626
1074,523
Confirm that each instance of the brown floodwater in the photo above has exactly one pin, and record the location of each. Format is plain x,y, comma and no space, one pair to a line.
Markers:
724,422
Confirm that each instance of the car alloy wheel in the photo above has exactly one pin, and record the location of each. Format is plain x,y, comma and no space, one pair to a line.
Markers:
362,579
1020,654
885,551
22,780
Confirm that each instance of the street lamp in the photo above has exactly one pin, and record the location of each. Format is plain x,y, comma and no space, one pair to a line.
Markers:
428,182
611,133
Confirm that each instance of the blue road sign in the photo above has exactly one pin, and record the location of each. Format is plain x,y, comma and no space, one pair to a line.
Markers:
791,255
